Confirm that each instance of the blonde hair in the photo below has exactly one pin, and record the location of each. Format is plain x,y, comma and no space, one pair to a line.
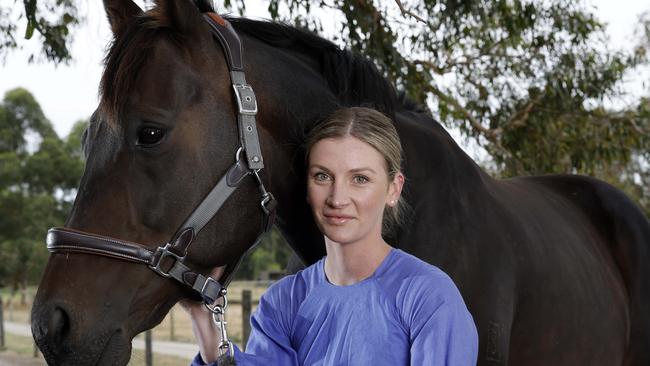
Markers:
375,129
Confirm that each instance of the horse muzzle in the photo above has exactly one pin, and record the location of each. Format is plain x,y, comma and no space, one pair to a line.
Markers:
53,328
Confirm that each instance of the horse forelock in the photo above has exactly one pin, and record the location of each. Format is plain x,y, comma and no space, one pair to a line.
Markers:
127,56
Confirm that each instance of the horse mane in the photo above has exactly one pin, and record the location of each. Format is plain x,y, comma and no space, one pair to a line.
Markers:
352,77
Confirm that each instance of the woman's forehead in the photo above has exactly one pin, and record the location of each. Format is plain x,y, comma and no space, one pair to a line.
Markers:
346,153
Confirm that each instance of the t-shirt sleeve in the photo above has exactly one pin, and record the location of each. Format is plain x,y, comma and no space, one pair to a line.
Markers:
269,342
442,331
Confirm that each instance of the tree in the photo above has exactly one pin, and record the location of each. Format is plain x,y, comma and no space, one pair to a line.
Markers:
526,79
634,177
39,173
52,20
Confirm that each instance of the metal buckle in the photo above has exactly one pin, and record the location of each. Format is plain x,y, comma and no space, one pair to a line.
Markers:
205,285
238,153
219,318
215,307
268,197
164,252
245,99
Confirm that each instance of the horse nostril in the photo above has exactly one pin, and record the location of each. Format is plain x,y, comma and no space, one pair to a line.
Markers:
50,329
58,324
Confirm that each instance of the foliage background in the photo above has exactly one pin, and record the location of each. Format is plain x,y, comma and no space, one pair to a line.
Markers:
39,173
526,82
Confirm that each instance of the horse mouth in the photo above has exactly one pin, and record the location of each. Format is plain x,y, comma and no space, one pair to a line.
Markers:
104,350
116,350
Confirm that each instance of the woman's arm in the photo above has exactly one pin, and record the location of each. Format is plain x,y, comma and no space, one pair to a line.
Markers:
442,331
205,331
269,342
203,327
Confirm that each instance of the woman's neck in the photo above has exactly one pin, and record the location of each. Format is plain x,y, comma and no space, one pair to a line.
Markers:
347,264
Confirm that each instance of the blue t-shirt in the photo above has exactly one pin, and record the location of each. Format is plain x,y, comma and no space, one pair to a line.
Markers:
407,312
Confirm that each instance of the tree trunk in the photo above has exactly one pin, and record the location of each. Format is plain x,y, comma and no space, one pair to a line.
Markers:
23,291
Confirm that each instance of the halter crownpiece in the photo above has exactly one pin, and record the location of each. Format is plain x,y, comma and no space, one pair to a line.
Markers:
168,260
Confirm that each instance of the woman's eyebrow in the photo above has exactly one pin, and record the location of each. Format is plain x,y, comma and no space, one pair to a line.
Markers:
317,166
355,170
358,170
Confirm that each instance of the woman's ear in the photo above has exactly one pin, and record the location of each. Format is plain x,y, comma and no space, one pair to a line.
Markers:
395,189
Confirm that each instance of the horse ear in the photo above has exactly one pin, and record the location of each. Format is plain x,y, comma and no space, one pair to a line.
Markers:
119,12
183,15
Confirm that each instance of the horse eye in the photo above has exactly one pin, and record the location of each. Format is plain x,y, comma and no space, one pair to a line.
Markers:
149,136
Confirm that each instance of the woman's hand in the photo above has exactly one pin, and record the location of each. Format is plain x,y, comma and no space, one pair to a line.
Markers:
205,331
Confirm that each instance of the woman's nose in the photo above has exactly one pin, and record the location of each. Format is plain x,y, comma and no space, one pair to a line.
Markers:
338,195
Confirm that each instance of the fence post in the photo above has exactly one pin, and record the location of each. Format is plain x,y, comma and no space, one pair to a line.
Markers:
2,326
148,354
172,337
35,352
246,296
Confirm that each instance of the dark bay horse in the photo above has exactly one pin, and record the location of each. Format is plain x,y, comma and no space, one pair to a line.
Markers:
554,269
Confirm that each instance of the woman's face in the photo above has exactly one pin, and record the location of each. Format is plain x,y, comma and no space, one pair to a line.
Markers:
348,188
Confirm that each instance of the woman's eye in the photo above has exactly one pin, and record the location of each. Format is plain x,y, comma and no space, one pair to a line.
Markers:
321,177
360,179
149,136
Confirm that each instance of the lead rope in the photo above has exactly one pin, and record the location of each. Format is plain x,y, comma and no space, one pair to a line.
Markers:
218,311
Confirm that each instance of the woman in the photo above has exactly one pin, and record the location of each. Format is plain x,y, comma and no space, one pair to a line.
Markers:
365,303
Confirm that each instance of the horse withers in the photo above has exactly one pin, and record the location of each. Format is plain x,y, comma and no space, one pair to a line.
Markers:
555,270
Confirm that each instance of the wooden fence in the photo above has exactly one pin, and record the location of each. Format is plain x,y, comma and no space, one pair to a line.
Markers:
2,326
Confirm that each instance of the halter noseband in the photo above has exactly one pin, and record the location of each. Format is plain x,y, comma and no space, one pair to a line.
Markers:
62,240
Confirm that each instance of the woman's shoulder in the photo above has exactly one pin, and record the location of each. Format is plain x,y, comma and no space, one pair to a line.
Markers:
419,290
294,287
408,266
414,280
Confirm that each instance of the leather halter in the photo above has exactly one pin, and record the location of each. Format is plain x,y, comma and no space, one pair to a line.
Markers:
168,260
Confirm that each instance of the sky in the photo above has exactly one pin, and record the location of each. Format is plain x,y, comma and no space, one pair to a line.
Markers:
68,93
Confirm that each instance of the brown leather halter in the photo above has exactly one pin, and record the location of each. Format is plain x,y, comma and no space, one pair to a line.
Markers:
168,260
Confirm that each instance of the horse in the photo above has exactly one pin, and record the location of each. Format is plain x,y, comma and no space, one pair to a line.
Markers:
554,269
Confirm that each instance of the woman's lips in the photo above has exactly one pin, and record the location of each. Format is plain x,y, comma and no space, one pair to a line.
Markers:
334,219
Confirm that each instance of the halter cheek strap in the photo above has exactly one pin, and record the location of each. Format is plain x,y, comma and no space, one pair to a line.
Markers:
168,260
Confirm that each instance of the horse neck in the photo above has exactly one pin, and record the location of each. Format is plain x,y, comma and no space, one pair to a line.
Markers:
285,171
443,183
293,95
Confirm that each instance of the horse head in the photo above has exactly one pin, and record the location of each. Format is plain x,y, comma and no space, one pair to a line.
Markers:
165,132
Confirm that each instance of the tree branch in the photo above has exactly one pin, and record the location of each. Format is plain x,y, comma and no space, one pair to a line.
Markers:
468,116
518,118
408,12
430,65
489,134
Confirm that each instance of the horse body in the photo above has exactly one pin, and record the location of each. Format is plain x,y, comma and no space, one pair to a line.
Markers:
555,270
535,269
